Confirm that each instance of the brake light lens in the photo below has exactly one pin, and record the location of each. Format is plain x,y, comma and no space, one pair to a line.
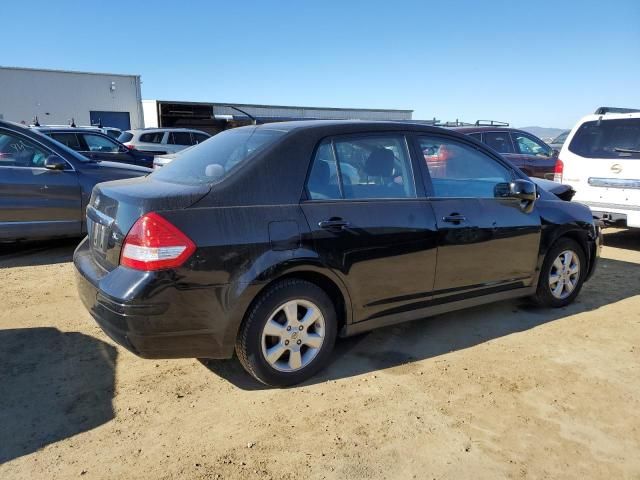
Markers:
154,243
558,171
130,147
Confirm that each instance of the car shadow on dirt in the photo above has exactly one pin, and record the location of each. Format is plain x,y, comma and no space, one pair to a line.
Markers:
625,239
27,254
54,385
423,339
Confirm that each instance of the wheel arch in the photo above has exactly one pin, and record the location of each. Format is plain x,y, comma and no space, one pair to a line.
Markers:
243,296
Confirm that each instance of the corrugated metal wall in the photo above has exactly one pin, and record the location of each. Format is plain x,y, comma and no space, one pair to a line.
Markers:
317,113
57,96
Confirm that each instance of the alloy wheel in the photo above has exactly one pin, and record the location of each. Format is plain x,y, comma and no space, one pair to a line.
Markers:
564,274
293,335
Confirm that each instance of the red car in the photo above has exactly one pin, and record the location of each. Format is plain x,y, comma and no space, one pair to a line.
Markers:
526,151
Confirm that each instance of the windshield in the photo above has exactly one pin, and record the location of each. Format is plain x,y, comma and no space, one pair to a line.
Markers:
619,138
213,160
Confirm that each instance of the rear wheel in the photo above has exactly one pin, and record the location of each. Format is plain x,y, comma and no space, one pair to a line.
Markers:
562,274
288,334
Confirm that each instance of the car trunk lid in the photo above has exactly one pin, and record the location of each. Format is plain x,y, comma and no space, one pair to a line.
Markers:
115,207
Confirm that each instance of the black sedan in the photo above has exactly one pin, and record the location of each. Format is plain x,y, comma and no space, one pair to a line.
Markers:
274,239
45,186
97,146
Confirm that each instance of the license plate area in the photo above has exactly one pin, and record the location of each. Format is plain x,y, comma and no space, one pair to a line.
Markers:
99,230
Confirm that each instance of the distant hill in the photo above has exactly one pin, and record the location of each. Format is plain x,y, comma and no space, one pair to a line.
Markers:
544,133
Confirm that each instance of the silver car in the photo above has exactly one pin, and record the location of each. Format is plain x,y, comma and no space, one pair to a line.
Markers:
161,141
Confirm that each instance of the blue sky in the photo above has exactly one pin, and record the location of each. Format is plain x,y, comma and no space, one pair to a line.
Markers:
541,63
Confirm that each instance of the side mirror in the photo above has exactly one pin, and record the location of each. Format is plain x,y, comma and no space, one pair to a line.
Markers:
54,162
522,190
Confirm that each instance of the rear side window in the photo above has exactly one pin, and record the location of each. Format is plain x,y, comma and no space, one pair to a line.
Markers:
180,138
499,141
213,160
155,137
367,167
125,137
608,139
69,139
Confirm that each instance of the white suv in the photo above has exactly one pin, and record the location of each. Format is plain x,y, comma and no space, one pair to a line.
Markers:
601,161
160,141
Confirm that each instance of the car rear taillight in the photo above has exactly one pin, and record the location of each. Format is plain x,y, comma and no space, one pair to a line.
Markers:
131,147
154,243
558,171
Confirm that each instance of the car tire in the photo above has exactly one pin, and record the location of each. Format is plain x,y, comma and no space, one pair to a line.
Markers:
288,333
560,282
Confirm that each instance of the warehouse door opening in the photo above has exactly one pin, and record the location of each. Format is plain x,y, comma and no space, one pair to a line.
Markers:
119,120
191,115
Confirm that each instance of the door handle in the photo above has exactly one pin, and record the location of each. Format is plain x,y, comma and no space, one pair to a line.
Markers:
334,224
454,218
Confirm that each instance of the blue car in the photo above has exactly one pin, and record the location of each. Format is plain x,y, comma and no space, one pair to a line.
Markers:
45,186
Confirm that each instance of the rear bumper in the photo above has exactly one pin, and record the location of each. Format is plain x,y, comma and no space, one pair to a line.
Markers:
153,314
610,214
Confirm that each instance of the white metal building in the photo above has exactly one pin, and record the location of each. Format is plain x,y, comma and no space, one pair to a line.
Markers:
57,96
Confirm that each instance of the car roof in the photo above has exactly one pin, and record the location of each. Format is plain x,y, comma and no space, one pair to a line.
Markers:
68,129
163,129
608,116
347,126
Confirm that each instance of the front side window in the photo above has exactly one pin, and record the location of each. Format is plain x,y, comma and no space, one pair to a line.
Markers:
155,137
96,143
366,167
180,138
459,170
527,145
618,138
499,141
199,137
19,152
212,161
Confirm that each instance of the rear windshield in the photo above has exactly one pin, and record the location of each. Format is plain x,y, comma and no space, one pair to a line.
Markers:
618,138
125,137
215,159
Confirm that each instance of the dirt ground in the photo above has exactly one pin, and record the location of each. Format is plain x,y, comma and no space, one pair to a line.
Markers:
504,391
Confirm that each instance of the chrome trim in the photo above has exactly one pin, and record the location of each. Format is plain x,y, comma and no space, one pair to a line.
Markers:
614,182
607,206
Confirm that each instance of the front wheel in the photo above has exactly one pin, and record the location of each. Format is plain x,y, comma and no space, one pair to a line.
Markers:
562,274
288,334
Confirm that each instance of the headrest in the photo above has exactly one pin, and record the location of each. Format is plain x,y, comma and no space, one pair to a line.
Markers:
380,163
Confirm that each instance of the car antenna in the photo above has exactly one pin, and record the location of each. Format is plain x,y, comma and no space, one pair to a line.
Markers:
253,119
36,123
73,123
